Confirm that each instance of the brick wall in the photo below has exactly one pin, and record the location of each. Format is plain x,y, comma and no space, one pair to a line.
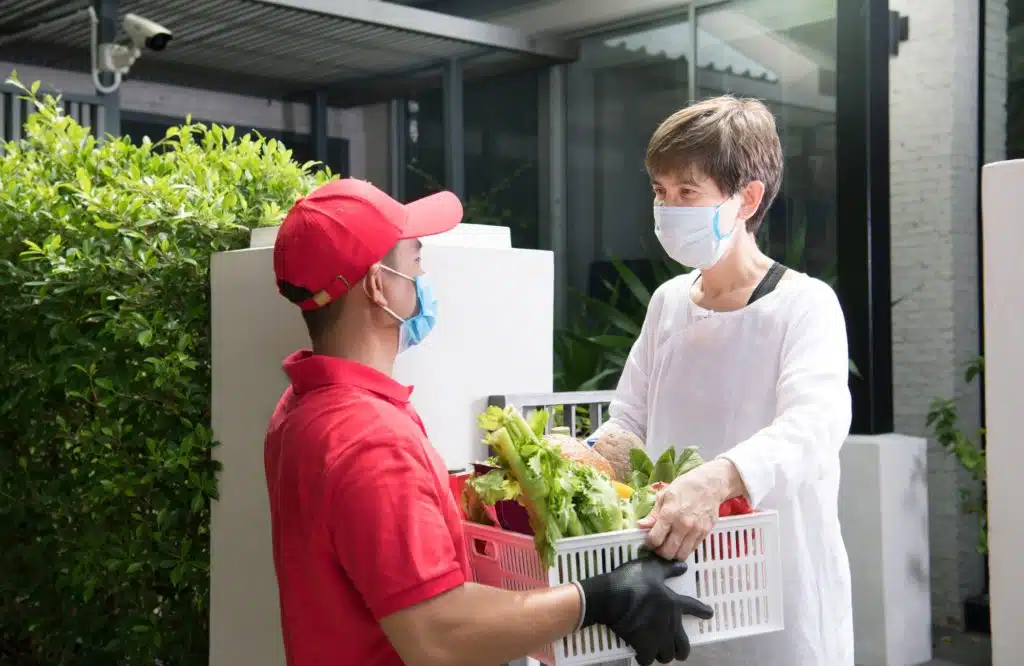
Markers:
934,158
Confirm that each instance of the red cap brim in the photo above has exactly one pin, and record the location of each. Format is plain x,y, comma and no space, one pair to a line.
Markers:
434,214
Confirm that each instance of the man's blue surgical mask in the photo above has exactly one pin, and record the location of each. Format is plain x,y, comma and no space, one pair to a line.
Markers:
417,327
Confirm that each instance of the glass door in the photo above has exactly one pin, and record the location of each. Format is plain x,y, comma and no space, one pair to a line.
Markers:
828,90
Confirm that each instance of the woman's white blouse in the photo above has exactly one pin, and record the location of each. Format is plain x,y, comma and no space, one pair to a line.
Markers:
766,387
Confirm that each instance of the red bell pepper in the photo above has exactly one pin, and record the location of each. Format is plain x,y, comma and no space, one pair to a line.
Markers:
737,506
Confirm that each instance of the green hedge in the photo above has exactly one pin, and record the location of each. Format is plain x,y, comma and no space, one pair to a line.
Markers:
105,468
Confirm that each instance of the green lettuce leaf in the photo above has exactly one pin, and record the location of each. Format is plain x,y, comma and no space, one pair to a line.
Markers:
494,487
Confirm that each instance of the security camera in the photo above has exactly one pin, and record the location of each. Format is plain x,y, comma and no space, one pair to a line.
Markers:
113,60
145,33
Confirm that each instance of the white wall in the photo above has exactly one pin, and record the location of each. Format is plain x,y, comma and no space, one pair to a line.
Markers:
934,158
365,145
1004,319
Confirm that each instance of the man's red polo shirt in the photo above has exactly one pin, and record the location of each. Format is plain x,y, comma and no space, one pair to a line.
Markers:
364,523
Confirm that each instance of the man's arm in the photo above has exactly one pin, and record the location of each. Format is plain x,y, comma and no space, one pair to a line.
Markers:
386,516
478,625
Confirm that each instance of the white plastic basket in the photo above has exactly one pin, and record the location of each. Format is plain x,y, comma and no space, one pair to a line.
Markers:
737,571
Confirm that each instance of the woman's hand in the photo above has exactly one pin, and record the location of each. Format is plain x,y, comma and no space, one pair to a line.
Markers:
685,511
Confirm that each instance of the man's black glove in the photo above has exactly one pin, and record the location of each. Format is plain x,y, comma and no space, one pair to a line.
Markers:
636,604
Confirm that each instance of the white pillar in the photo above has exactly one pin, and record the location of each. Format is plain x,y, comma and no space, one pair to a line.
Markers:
883,510
1003,240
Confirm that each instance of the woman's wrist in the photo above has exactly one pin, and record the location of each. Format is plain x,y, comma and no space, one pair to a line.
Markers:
721,479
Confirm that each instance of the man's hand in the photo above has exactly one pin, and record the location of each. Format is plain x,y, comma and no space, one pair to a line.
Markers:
636,604
685,512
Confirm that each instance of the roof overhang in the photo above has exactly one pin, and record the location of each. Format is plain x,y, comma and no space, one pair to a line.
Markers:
357,51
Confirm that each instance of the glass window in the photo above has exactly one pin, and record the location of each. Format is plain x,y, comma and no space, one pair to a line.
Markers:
624,84
500,116
1014,72
502,187
424,144
785,55
628,80
138,125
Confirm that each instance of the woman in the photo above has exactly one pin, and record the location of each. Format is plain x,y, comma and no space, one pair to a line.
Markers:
747,360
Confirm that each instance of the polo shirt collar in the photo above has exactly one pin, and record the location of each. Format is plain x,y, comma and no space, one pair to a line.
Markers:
309,371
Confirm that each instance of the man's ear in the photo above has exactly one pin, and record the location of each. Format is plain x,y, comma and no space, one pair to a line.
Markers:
751,196
373,285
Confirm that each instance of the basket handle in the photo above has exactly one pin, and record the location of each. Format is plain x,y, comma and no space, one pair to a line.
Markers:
484,549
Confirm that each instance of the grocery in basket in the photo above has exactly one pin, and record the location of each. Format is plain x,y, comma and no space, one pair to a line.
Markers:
551,486
547,509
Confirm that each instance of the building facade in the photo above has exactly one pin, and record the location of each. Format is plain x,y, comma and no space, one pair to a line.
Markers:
951,87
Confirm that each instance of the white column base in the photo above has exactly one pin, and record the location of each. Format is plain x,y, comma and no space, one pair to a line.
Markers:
883,509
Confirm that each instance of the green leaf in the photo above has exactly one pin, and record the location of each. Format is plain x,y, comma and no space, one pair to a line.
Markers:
613,341
665,468
615,317
642,466
689,459
632,282
84,180
538,420
145,337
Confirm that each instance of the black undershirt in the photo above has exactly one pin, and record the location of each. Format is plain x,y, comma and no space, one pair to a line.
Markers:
768,282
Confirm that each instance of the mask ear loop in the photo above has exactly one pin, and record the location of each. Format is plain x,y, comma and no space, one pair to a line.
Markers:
718,215
384,307
394,272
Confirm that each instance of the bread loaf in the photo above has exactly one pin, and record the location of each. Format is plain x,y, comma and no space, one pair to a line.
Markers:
614,445
573,449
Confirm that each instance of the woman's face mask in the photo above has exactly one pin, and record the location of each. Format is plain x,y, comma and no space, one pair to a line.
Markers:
692,235
416,328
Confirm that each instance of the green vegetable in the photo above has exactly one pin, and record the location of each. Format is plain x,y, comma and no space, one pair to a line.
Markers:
642,467
596,501
494,487
563,498
688,461
642,502
667,469
538,421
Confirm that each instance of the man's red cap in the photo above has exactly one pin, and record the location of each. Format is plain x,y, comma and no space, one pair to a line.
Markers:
331,238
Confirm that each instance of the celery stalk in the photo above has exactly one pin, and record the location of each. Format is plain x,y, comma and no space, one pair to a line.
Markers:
545,530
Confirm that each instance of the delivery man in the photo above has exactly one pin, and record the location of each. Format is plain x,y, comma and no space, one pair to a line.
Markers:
368,547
